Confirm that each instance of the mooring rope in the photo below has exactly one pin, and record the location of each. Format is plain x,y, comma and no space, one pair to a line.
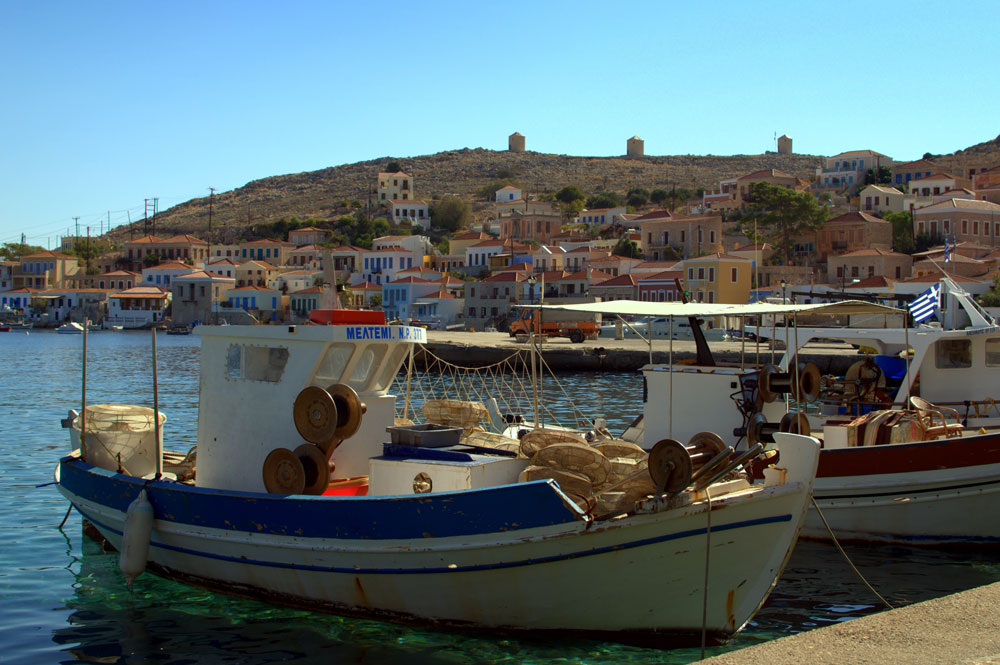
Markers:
844,554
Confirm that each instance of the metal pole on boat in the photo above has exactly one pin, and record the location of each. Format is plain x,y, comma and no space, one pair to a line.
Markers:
906,354
83,397
670,363
743,341
409,378
534,376
649,336
798,386
156,415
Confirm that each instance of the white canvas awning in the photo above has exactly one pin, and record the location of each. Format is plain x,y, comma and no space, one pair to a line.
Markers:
701,309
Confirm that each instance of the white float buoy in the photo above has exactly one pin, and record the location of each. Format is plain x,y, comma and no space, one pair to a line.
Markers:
135,537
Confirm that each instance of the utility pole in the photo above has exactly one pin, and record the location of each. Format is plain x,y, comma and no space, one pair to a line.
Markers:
211,200
156,204
145,217
87,259
76,236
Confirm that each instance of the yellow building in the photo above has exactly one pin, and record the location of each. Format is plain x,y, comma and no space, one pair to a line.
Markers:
44,270
398,185
718,278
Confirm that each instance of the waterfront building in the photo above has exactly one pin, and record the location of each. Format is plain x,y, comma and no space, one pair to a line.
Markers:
199,296
138,307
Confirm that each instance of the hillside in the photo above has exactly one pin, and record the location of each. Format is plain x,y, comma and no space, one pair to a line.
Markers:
320,193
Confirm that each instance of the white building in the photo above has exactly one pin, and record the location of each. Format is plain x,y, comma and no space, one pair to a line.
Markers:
415,211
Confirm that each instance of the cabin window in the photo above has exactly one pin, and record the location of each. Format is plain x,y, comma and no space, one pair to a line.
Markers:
331,367
953,353
391,367
256,363
366,365
993,351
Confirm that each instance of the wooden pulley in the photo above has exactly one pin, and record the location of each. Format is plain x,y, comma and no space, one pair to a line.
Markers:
703,446
804,383
809,380
761,431
315,466
350,408
796,423
670,466
315,415
765,383
283,472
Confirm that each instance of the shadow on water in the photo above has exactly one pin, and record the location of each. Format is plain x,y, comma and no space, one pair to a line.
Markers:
164,621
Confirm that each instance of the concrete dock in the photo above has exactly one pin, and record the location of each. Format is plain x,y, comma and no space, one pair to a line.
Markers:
960,629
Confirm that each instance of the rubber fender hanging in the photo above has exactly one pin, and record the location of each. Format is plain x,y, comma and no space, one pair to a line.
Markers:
135,537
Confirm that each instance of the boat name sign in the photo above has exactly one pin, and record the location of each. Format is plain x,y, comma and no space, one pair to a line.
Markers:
402,333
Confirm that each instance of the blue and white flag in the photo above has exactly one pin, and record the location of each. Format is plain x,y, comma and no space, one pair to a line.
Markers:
947,251
926,305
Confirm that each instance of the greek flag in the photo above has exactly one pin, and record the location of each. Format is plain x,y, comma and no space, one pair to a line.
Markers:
947,251
926,304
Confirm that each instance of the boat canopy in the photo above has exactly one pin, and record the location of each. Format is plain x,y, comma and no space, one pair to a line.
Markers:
701,309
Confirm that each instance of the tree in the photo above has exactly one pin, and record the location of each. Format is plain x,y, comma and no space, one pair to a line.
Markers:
992,297
637,196
677,196
780,214
627,248
902,231
452,213
571,209
13,251
380,227
151,260
570,193
883,177
605,200
393,167
658,196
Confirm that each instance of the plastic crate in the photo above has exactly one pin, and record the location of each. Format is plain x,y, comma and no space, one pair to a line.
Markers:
428,435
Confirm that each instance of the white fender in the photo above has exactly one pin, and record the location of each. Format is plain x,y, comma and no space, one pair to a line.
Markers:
135,537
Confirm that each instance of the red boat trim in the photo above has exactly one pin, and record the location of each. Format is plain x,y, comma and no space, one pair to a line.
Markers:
955,453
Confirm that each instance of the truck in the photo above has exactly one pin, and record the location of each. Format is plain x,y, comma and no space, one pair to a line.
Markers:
577,326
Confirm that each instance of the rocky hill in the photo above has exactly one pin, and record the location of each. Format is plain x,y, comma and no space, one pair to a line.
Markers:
323,194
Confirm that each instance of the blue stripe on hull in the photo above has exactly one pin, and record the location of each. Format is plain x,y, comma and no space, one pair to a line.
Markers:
491,510
774,519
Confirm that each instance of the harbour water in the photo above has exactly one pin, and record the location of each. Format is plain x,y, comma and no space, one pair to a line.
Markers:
64,599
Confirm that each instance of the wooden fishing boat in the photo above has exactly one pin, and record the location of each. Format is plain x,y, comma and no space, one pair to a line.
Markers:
446,535
911,452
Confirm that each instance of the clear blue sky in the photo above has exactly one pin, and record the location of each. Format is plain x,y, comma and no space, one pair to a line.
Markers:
108,103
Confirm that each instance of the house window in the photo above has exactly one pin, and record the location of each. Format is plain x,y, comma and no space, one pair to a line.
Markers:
732,274
711,237
690,273
975,227
711,274
854,271
965,226
701,273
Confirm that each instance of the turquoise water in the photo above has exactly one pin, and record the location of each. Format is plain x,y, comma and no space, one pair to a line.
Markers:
64,600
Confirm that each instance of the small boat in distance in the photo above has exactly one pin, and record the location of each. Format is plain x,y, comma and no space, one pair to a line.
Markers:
179,330
70,328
